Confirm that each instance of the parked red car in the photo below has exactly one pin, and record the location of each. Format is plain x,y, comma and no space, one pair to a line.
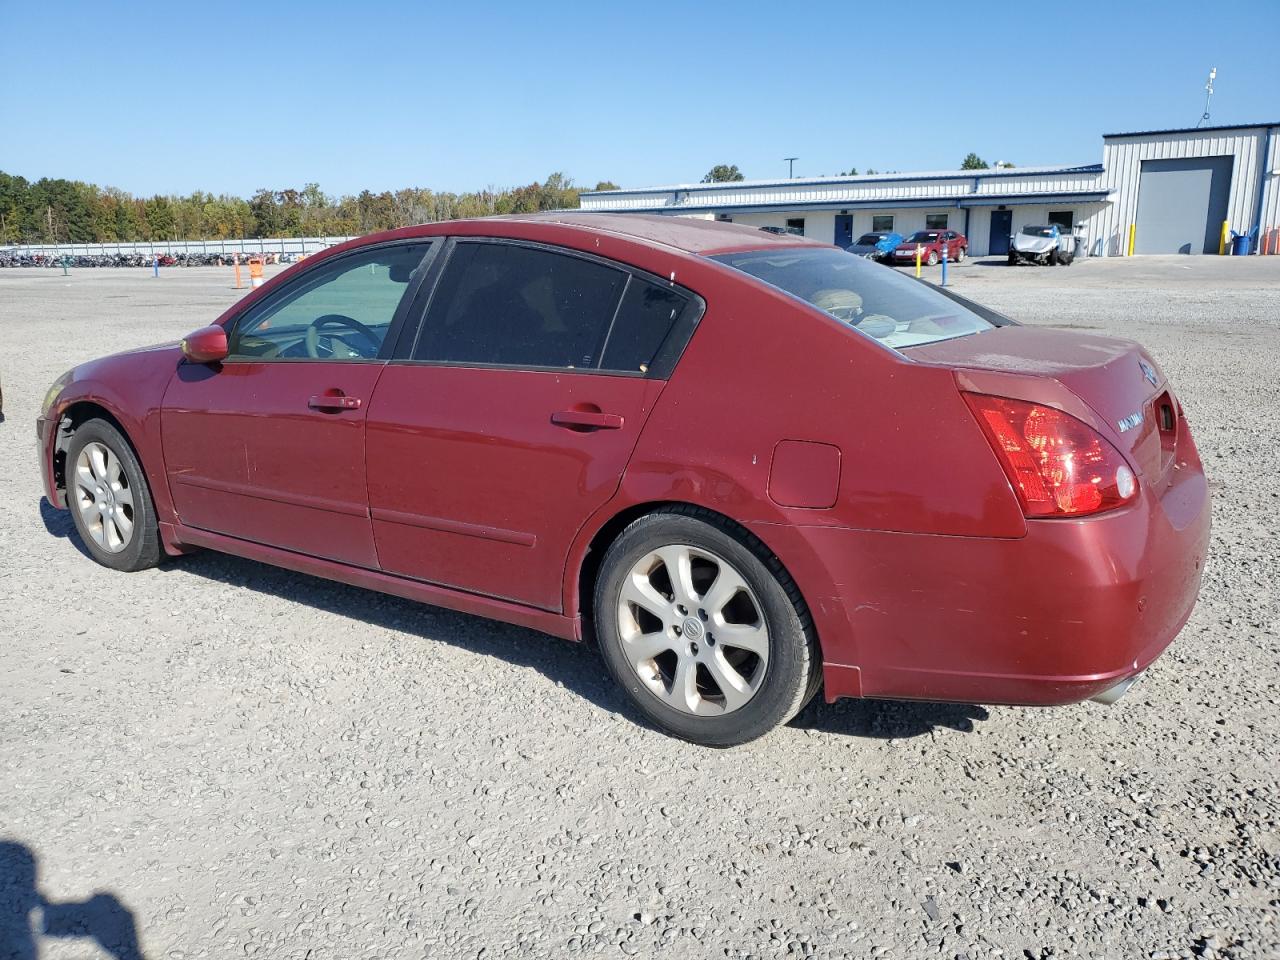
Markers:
748,464
931,244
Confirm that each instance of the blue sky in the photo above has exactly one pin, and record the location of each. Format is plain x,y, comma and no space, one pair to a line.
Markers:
172,97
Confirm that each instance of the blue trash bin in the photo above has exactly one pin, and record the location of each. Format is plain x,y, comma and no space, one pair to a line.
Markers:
1240,243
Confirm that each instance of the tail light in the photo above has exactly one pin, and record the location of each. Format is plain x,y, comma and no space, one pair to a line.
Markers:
1057,465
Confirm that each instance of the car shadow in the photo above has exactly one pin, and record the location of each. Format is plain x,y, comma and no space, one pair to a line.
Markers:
576,666
888,719
58,523
101,918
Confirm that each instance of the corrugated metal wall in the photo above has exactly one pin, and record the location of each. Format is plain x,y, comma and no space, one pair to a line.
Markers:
1122,162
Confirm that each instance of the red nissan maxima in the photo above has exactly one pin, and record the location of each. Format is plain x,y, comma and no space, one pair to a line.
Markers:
749,465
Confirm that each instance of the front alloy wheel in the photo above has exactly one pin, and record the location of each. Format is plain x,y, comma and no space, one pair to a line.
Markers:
109,499
103,497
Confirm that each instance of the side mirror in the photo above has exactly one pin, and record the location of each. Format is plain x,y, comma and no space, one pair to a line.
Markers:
206,345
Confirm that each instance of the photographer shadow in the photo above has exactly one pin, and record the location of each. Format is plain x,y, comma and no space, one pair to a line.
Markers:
101,918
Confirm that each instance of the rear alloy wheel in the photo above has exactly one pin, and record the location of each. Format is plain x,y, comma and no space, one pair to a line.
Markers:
933,258
703,629
960,255
109,500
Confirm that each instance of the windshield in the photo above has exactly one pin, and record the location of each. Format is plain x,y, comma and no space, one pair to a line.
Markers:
923,236
870,239
881,303
1038,231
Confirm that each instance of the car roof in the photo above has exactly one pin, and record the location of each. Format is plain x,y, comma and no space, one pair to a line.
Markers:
690,234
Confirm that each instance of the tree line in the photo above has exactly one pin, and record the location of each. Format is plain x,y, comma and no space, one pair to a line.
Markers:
69,211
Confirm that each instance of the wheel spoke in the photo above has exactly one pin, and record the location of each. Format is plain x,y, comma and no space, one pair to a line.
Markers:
727,586
123,524
684,687
753,637
643,647
98,462
113,469
124,496
679,564
85,481
733,685
637,589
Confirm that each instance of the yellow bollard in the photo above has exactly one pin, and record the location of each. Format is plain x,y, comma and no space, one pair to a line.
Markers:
1222,240
919,251
1133,236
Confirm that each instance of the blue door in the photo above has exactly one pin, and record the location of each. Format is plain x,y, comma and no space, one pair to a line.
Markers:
844,230
1001,227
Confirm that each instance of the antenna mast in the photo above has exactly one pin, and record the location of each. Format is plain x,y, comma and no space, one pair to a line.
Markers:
1208,95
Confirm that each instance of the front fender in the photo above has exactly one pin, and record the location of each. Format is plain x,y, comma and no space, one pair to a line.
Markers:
130,387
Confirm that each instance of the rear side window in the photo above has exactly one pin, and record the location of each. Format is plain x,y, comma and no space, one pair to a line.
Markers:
644,319
510,305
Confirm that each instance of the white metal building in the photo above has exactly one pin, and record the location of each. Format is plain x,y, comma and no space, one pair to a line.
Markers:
1175,186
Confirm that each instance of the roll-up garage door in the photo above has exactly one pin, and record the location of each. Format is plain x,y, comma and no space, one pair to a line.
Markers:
1181,204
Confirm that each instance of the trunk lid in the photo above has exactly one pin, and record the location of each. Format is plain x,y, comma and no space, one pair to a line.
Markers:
1115,379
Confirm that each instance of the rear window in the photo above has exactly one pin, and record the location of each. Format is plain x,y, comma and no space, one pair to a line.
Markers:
895,310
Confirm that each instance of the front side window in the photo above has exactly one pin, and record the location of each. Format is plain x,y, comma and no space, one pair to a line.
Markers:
935,221
511,305
895,310
339,310
883,222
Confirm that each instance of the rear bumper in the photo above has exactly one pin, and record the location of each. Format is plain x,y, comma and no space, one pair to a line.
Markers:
1058,616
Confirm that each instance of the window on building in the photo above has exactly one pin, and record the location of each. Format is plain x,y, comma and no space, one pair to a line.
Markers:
882,223
935,221
1065,219
724,218
795,225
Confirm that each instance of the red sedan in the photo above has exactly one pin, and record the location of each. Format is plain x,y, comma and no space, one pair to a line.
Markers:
749,465
931,244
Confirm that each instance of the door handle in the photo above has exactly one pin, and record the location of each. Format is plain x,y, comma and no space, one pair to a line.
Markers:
587,420
333,401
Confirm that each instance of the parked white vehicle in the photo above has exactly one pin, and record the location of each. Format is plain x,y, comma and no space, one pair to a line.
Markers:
1045,245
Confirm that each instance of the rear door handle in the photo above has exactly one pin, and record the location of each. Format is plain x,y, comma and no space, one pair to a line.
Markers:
332,401
587,420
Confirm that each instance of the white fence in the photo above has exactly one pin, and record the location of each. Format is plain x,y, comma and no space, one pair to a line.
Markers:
293,245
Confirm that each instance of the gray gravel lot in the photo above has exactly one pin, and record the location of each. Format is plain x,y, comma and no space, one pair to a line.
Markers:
253,762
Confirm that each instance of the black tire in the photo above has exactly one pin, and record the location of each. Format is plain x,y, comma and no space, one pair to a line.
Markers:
142,550
1052,259
960,255
793,673
1013,259
933,258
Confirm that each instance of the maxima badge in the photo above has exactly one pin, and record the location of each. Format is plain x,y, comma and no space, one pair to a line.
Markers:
1132,420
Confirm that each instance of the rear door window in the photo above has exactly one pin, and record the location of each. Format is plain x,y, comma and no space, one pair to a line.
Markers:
645,318
505,304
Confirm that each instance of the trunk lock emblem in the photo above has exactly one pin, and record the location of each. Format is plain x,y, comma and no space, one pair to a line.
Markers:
1148,371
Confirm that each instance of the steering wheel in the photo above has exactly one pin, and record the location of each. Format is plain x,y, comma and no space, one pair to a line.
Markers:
337,320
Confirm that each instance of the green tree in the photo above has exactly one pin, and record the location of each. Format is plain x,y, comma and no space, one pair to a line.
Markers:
851,172
607,185
973,162
723,173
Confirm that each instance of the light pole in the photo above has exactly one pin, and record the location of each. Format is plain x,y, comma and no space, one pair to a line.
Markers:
791,167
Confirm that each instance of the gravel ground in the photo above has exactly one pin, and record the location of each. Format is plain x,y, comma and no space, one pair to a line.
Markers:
250,761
